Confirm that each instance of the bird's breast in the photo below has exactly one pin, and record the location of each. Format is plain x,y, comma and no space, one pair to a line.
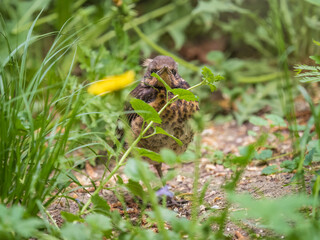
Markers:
174,121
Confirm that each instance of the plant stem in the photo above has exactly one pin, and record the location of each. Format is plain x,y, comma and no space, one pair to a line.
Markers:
195,197
279,156
156,209
126,154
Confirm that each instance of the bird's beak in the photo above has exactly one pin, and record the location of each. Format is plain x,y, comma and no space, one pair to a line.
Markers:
166,75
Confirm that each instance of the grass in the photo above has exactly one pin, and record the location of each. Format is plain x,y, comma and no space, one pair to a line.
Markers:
34,134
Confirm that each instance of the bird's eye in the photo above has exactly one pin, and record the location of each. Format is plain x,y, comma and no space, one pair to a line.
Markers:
173,72
153,70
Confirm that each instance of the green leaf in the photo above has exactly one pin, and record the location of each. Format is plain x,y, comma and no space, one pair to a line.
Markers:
277,121
210,79
313,144
289,165
72,231
135,188
69,217
277,214
187,156
216,56
13,223
138,170
99,222
245,150
184,94
120,180
161,80
100,205
168,156
27,227
314,41
148,153
132,170
316,59
258,121
270,170
160,130
309,157
252,133
143,109
263,155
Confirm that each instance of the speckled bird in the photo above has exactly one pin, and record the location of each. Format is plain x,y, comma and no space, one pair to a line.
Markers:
174,118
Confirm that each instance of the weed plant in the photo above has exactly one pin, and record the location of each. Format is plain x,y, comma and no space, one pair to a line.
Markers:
34,132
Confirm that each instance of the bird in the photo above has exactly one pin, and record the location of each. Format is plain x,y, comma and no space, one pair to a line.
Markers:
174,118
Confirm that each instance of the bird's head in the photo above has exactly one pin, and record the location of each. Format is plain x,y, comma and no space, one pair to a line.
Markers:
165,67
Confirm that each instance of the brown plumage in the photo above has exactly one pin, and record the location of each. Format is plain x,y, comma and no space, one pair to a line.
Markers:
174,117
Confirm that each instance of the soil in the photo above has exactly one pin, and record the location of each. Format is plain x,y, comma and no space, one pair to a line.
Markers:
227,138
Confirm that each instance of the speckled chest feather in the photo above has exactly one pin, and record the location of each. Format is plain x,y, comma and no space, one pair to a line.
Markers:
174,120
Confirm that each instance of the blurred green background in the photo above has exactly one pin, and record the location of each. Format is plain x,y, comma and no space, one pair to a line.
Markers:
51,51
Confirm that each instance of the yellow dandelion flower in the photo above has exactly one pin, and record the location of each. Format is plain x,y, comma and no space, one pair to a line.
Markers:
112,83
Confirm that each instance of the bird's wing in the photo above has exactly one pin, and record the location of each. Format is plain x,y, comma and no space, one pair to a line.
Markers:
143,92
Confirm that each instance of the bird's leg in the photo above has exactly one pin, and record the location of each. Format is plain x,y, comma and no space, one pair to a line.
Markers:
159,170
164,191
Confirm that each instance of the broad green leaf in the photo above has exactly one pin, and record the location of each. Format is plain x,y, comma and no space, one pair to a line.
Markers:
313,144
160,130
246,150
277,121
263,155
70,217
14,223
216,56
161,80
26,227
147,112
168,156
135,188
148,153
187,156
258,121
100,205
71,231
279,214
309,157
252,133
132,170
166,214
270,170
99,222
139,170
289,165
184,94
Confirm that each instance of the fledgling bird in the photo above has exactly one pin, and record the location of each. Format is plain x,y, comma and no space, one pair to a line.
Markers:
174,118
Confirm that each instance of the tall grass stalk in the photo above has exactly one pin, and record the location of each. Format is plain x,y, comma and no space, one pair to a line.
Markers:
34,134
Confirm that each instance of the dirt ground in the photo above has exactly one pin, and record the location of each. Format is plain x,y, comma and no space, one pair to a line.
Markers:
227,138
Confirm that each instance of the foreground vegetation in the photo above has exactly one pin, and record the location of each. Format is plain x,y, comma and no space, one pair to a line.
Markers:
51,126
